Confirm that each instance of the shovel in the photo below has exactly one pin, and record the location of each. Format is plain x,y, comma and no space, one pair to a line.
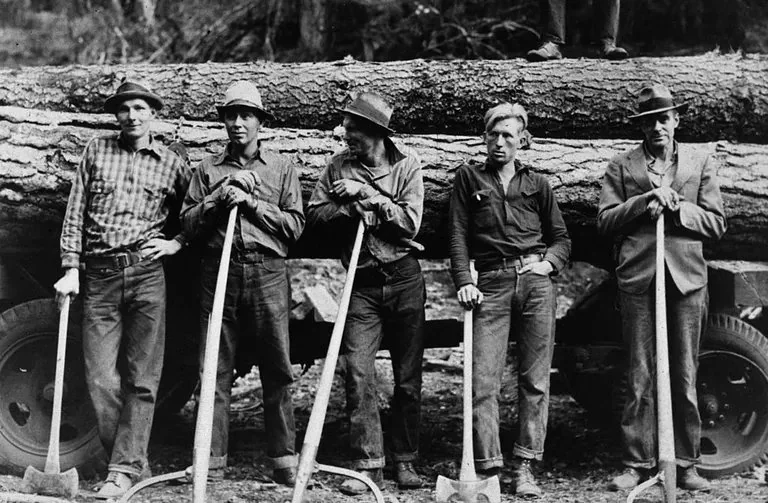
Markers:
667,470
52,482
320,407
469,488
204,425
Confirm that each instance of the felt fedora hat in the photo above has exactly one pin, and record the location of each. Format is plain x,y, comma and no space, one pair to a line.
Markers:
129,90
654,99
371,107
243,93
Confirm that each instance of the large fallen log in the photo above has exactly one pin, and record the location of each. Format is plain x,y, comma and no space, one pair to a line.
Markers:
41,149
567,99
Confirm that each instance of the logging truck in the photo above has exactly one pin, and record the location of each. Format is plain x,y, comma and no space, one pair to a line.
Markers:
47,116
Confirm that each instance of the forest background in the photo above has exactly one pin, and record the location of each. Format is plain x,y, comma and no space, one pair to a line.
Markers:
61,32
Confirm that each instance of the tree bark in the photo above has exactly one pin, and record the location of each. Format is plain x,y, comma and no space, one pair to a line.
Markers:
313,27
41,151
565,99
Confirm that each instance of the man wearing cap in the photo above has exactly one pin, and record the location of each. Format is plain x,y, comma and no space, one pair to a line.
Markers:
123,192
661,176
606,18
265,188
374,181
505,217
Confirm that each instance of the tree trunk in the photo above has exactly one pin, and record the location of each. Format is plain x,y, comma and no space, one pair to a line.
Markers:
41,151
145,11
313,27
565,99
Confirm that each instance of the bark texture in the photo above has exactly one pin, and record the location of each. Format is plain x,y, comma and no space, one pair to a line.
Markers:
566,99
41,150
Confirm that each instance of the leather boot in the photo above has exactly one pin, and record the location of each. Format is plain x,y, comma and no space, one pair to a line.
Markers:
406,476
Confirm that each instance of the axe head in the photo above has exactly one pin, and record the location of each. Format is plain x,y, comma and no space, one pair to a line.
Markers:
468,491
64,484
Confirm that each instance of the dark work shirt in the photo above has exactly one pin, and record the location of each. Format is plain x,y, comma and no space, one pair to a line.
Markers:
487,224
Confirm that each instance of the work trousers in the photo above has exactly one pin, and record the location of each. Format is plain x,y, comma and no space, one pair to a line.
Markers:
686,318
123,347
605,19
256,305
523,305
385,302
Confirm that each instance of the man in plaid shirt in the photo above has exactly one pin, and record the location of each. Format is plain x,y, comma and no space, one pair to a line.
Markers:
124,190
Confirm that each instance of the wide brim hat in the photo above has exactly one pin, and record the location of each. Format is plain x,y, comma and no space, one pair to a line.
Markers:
372,108
130,90
654,99
243,94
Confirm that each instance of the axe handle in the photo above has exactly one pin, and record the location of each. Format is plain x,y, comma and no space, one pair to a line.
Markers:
666,435
467,471
204,425
319,408
52,462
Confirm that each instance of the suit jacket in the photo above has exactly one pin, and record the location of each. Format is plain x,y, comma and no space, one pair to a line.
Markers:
623,214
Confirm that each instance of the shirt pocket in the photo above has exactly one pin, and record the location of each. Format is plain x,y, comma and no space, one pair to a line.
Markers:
522,214
482,209
101,195
153,200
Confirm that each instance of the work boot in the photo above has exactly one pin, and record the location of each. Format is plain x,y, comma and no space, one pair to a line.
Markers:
406,476
545,52
214,474
354,487
611,51
116,485
525,484
689,479
285,476
626,480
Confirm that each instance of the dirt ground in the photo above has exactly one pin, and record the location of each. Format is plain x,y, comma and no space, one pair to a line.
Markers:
580,456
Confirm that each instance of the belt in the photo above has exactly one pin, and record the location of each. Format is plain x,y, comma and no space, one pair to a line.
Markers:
380,273
240,257
507,262
113,261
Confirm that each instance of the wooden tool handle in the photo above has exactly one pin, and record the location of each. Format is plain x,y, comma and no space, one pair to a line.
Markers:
52,462
467,472
319,408
204,425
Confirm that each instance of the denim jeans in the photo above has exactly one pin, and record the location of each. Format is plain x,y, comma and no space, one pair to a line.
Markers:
123,346
523,305
686,316
605,19
385,303
256,305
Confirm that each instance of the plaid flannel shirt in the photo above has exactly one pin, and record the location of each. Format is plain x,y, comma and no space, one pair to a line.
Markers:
121,198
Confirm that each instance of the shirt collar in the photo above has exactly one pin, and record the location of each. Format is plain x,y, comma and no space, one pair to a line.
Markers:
519,167
649,157
154,146
225,155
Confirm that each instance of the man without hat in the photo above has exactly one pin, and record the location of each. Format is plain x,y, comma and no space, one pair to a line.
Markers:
505,217
265,188
374,181
123,193
661,176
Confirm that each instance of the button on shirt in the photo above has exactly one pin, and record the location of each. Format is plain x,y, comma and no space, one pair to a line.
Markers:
660,171
396,189
488,224
120,198
278,218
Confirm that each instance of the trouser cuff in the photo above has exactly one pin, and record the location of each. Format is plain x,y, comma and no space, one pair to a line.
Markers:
526,453
401,457
641,465
487,464
686,462
217,462
368,464
290,461
131,472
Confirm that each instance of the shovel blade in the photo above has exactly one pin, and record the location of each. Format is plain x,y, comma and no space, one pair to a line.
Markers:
468,491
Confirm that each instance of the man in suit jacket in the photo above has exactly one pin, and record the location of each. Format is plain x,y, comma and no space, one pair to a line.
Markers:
680,180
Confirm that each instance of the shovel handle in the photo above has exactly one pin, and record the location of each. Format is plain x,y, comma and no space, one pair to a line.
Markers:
666,436
52,462
467,471
319,408
204,425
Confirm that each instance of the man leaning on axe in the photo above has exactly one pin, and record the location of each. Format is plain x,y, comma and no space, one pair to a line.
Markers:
124,191
660,175
373,180
265,188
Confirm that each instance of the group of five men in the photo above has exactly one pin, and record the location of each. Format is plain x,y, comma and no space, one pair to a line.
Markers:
503,216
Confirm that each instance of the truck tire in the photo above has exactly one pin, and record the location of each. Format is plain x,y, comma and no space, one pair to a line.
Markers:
28,334
732,387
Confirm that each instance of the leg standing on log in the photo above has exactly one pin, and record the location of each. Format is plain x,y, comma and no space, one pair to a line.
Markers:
265,186
373,180
509,216
661,176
